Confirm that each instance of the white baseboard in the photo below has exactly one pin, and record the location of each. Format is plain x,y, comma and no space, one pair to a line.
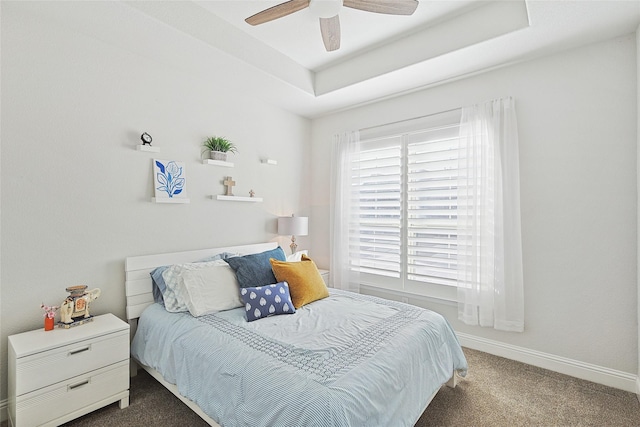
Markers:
586,371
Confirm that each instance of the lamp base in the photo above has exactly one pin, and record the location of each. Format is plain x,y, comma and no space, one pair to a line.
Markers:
293,245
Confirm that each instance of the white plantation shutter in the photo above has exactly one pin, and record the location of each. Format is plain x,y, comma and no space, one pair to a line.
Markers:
432,177
405,181
379,192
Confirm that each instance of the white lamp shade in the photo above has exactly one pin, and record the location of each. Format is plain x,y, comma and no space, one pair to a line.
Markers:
293,225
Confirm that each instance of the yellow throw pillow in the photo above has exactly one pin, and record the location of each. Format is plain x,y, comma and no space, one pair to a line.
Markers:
304,279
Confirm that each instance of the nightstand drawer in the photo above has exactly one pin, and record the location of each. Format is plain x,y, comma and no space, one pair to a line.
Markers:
49,367
51,403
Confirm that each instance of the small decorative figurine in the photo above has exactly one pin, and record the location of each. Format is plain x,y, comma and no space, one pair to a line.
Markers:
74,310
252,193
146,139
229,183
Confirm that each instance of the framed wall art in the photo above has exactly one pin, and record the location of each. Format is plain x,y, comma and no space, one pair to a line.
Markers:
169,181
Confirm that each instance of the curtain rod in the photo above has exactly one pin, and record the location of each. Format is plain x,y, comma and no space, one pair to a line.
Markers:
408,120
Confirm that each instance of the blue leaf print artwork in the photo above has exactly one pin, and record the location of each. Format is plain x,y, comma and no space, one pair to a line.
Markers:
160,166
170,178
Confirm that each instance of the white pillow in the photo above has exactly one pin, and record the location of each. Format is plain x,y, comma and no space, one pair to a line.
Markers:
174,295
297,256
209,290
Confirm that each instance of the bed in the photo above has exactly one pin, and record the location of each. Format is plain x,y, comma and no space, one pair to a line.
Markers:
343,360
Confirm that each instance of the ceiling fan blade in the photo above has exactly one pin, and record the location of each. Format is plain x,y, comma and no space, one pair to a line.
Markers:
330,29
277,11
390,7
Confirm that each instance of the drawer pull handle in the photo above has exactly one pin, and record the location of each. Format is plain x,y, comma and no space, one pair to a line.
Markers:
80,350
75,386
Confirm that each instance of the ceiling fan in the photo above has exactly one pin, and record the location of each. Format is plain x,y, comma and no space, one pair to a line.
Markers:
327,11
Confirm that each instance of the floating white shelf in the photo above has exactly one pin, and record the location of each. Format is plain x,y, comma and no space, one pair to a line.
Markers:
148,148
171,200
217,163
238,198
269,161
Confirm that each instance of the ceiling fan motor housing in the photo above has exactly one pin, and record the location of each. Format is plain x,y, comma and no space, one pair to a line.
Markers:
325,8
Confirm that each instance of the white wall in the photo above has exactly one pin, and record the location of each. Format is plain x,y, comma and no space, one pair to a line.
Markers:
638,189
577,126
76,195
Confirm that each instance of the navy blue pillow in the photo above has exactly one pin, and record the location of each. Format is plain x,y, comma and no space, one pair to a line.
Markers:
265,301
255,269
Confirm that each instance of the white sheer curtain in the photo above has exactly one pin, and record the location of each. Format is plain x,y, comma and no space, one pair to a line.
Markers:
346,149
490,276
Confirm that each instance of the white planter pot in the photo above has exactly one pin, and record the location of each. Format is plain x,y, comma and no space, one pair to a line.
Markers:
218,155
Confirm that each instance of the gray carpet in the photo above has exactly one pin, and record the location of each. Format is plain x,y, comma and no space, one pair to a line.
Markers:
501,392
496,392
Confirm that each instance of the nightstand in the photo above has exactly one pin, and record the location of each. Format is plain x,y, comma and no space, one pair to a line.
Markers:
56,376
325,276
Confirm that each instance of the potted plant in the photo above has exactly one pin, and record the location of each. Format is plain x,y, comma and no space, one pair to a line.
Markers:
219,147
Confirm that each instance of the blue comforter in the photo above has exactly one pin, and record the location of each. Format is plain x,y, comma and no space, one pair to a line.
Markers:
347,360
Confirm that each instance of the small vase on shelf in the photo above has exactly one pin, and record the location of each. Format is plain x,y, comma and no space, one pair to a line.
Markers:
49,315
48,323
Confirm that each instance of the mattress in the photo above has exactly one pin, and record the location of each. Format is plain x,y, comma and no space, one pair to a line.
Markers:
346,360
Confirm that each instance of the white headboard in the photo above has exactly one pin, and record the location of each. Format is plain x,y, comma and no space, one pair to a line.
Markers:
138,287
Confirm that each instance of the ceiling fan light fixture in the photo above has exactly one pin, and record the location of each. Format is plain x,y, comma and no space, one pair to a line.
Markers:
325,8
327,11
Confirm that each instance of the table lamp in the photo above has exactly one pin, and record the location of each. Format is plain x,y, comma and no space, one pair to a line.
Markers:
295,226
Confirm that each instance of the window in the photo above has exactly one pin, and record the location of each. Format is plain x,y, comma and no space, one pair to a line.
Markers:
405,185
432,207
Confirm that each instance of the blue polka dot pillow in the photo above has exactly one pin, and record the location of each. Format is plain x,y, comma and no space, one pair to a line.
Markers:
268,300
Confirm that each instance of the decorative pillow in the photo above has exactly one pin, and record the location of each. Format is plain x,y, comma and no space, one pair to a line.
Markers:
159,286
175,295
304,279
222,255
265,301
297,256
255,269
210,289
